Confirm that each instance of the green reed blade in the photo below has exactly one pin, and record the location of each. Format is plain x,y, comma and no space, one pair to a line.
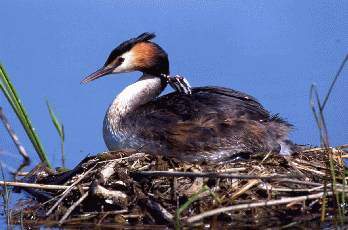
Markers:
11,94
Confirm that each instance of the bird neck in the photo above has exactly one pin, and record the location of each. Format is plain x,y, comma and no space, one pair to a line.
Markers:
147,88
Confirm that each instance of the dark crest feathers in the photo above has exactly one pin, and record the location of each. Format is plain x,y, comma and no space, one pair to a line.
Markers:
128,45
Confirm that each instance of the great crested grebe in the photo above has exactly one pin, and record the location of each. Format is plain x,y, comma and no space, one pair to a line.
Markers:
211,124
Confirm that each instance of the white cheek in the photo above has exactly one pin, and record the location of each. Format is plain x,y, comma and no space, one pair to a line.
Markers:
123,68
127,65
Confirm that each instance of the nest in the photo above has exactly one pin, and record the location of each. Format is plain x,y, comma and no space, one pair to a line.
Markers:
117,188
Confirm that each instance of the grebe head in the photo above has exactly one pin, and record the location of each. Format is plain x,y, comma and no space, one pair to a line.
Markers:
136,54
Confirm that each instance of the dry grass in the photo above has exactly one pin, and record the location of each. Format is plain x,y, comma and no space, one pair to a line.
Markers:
114,188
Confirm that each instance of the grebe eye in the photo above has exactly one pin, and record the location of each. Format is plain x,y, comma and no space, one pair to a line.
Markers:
119,61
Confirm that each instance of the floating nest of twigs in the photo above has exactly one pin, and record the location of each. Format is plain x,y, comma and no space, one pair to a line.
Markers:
118,189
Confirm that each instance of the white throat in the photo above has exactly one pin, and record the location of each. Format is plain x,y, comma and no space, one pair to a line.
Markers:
144,90
147,88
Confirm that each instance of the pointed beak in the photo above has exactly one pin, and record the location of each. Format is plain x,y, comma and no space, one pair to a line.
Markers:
99,73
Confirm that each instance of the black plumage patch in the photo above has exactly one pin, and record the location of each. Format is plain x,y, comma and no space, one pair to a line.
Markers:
128,45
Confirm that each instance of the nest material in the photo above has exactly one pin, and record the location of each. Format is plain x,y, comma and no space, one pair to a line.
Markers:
116,188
